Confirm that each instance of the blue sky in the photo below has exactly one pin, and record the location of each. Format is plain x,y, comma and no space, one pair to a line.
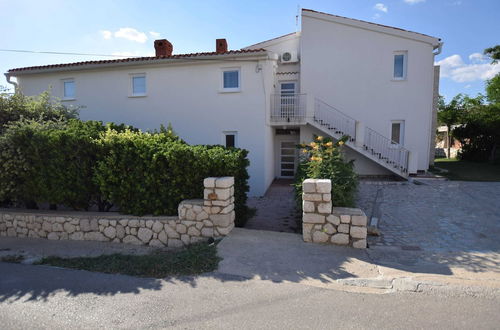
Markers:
127,28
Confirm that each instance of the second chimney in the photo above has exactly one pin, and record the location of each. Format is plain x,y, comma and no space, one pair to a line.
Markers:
163,48
220,46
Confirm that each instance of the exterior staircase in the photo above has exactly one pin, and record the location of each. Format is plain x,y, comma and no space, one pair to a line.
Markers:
337,124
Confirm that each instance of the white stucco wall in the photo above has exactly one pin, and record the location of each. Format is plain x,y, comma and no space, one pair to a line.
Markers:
186,95
351,68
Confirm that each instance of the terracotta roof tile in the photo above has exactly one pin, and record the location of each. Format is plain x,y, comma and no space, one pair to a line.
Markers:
136,59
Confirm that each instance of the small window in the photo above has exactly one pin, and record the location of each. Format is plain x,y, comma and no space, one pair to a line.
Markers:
138,82
230,139
231,80
397,132
68,89
400,66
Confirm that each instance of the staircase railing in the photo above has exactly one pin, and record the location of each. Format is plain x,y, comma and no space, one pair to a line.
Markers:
386,149
334,119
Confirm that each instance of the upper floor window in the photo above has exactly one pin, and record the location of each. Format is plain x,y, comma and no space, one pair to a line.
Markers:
231,80
138,82
68,89
230,138
400,59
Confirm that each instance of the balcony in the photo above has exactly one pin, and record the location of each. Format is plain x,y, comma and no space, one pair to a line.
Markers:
288,109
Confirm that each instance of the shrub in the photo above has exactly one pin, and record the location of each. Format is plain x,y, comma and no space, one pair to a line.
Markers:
146,173
40,108
323,159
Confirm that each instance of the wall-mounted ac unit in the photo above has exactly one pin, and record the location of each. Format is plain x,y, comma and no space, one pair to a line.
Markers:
289,57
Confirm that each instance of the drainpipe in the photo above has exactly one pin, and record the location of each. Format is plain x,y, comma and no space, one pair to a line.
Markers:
8,77
439,49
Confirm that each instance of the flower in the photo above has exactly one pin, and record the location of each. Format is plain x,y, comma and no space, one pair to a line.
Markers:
304,151
329,144
312,144
341,143
319,138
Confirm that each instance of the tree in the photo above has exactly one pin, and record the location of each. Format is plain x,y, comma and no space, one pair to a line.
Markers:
493,89
449,115
493,53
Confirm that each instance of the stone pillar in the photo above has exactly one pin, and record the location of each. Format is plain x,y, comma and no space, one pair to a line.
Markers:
316,206
218,202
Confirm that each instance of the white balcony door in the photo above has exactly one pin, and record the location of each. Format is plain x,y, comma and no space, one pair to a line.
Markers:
288,92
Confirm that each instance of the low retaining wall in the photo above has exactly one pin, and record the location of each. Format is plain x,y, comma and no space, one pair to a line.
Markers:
198,220
323,224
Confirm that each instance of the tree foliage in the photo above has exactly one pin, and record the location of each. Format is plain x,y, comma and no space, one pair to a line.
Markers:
493,53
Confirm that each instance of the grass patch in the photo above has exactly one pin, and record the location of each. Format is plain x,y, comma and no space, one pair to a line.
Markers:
464,170
193,260
15,259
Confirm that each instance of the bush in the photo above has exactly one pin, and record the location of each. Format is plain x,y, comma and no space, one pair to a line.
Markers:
146,173
40,109
323,159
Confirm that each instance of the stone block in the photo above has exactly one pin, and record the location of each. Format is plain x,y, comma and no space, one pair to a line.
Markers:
94,225
340,239
359,220
47,226
84,225
69,228
133,223
130,239
308,206
190,215
358,232
156,243
227,209
221,203
180,228
224,182
345,218
145,234
53,236
307,231
329,229
110,232
60,219
76,236
192,231
57,227
312,197
157,226
207,232
223,193
172,233
323,186
327,197
149,224
333,219
222,220
225,230
209,182
162,236
201,216
120,231
359,244
343,228
185,239
325,208
313,218
104,222
309,186
319,237
95,236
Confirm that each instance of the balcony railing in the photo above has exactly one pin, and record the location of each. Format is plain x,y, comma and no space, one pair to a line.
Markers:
288,108
386,150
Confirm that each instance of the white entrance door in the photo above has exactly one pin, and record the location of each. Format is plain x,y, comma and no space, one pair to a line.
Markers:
288,159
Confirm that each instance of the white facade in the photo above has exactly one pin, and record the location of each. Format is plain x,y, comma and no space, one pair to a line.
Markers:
345,63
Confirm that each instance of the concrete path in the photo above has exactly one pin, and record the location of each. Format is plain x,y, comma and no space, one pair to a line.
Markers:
38,297
275,210
284,257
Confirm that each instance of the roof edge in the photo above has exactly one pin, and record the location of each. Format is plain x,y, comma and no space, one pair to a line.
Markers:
373,26
273,39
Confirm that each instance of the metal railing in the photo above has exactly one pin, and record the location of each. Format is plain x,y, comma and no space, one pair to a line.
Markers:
288,108
334,119
386,149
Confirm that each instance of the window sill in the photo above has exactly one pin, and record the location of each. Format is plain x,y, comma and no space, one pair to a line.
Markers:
230,90
138,95
396,79
68,99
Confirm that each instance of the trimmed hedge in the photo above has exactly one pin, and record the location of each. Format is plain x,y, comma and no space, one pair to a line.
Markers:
81,164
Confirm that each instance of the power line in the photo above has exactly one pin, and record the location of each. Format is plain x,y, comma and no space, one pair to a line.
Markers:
61,53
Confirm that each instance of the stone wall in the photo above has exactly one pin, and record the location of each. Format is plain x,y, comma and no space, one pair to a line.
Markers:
198,220
323,224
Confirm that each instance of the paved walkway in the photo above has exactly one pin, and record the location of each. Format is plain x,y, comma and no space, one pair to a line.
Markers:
441,216
276,210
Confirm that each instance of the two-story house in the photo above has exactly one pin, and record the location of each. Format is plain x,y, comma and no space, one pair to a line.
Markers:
337,76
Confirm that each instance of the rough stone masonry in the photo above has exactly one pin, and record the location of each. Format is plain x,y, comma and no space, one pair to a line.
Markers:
198,220
323,224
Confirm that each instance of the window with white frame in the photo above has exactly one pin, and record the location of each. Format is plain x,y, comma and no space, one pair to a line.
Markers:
397,132
138,84
69,90
230,138
231,81
400,64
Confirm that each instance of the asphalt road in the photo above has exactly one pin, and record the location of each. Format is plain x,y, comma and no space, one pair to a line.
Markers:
39,297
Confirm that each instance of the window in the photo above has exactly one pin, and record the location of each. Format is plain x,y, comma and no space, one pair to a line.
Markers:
231,80
138,82
397,132
230,139
68,89
400,66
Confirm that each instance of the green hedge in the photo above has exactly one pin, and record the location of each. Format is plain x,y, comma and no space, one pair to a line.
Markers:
80,164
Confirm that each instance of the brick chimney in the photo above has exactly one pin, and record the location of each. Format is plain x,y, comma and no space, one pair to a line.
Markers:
163,48
220,46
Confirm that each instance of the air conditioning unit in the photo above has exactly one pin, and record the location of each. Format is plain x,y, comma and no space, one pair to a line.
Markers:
289,57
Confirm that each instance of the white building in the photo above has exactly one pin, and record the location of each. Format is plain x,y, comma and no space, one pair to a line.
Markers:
337,76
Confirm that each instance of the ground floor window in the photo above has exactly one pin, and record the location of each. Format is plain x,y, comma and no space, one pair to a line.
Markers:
397,132
230,138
